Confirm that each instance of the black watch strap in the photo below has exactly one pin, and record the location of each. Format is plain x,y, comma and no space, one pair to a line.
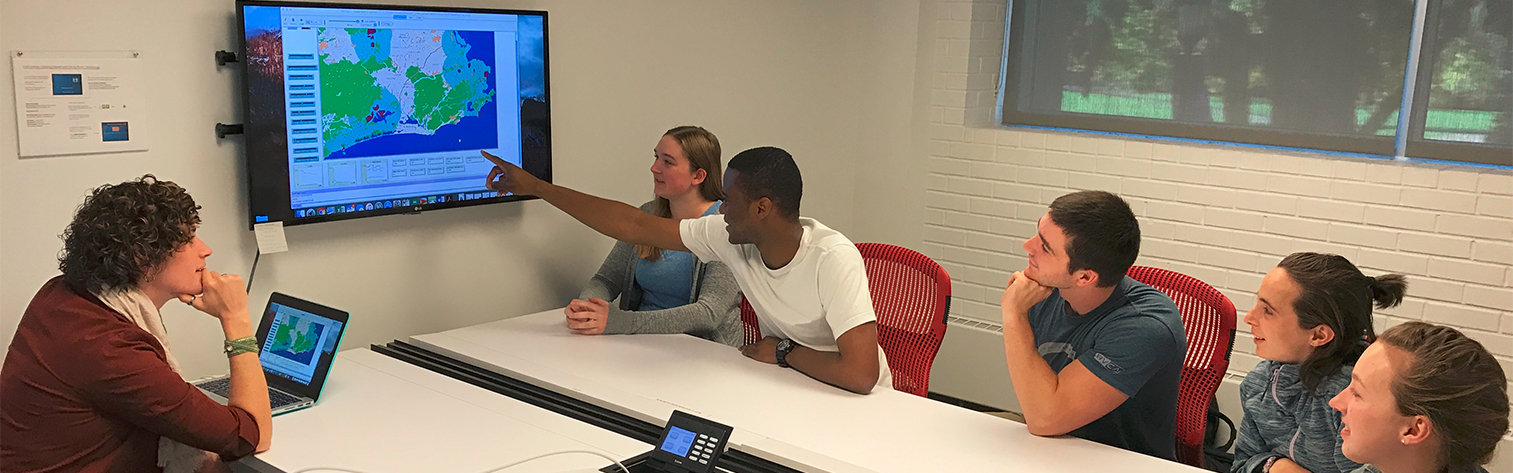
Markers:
784,347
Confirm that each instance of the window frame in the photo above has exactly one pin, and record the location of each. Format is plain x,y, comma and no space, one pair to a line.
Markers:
1013,74
1417,146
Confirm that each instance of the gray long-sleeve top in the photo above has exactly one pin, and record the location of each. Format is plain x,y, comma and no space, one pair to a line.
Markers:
1282,419
712,312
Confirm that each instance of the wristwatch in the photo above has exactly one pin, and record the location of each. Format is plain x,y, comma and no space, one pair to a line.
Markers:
240,346
784,346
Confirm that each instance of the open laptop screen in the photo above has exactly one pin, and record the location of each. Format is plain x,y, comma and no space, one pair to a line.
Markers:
299,342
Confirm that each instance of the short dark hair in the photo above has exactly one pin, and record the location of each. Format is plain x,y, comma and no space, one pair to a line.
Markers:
770,172
1102,233
1333,292
1457,384
122,231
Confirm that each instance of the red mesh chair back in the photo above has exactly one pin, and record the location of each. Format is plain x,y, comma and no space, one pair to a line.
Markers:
1208,318
749,322
911,295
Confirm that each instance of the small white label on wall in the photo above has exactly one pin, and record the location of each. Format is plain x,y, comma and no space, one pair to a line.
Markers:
79,102
270,237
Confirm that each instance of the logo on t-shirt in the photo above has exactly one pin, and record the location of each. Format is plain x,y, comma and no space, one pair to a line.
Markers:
1107,363
1057,348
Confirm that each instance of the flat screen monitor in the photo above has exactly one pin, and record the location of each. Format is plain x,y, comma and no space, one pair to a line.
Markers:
363,110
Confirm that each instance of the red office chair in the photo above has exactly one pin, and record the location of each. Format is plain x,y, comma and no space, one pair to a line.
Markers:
911,295
749,322
1208,318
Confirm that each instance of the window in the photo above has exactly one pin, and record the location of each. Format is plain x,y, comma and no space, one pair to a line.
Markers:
1464,89
1296,73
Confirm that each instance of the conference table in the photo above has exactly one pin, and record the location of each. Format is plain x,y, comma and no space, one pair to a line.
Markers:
778,414
379,414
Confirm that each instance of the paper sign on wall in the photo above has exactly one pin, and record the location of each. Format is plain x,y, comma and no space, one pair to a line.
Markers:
270,237
77,102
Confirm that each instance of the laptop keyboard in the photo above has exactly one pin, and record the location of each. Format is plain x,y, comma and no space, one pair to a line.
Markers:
278,399
219,386
222,387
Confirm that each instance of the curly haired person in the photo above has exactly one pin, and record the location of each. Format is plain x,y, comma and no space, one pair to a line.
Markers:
90,383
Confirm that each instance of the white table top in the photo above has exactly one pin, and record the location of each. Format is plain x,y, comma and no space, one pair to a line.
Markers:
379,414
778,413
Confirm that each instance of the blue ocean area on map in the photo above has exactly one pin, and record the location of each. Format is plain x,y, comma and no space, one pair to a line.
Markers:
469,133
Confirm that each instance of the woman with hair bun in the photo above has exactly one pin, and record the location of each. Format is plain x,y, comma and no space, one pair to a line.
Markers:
1425,399
1311,321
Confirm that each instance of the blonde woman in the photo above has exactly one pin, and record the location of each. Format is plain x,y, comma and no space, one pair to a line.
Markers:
1424,399
659,290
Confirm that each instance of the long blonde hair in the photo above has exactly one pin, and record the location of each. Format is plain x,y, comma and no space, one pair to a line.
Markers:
702,150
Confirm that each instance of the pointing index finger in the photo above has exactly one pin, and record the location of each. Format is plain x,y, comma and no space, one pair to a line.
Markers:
494,159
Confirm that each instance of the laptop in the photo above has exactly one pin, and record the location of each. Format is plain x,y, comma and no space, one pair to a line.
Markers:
299,341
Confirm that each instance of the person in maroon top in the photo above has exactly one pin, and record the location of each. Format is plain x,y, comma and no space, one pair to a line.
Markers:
87,385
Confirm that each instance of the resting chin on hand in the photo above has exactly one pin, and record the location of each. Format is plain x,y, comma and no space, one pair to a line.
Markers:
1019,296
223,296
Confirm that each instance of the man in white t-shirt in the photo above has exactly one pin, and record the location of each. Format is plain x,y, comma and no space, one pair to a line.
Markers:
807,282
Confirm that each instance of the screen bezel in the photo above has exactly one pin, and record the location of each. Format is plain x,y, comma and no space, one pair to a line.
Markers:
697,425
541,166
322,367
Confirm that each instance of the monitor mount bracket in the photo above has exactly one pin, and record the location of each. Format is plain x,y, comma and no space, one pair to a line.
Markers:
221,129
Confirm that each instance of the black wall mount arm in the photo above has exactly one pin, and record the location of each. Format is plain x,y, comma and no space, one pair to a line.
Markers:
222,57
222,129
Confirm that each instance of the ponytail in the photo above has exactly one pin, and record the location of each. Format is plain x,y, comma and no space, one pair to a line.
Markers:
1336,294
1388,289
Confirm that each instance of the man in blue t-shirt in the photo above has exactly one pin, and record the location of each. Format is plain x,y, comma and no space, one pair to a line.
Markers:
1092,352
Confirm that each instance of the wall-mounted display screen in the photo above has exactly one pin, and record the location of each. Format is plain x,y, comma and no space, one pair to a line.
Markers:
363,110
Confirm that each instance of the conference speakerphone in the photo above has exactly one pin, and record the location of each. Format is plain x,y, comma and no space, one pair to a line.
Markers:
689,444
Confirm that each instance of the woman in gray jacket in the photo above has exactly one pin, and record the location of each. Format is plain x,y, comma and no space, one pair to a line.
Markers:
665,291
1311,321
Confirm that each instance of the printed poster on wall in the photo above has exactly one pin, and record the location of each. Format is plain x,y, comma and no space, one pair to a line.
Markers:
79,102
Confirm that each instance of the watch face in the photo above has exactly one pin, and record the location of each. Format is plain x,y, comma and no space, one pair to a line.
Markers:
784,346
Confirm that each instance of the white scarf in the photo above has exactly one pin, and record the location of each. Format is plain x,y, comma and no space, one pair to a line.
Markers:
173,456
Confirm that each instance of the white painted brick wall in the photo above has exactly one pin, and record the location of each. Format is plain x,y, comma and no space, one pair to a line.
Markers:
1225,215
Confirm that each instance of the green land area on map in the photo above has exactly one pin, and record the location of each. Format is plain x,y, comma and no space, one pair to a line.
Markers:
295,336
379,82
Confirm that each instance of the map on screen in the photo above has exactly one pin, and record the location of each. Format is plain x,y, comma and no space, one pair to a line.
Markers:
357,110
297,339
389,91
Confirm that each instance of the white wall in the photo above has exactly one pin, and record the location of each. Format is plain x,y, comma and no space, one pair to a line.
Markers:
890,187
886,105
1225,215
769,73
